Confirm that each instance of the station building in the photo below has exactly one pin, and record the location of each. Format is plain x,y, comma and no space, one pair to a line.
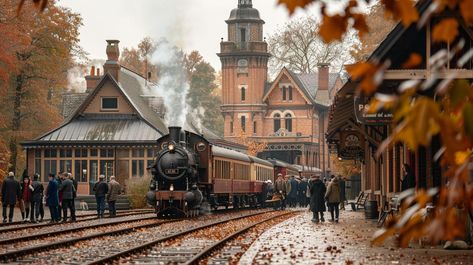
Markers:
354,135
290,113
111,129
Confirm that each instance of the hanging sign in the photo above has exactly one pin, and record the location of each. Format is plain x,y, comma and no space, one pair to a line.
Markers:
352,145
381,117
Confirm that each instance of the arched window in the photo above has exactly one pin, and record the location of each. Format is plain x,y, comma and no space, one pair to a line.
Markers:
283,93
243,123
288,122
277,122
231,127
289,92
254,127
243,94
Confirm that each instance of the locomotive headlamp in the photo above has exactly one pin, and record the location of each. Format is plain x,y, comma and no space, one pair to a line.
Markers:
171,147
171,188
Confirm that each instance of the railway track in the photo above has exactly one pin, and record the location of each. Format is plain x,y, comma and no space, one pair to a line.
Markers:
189,250
45,222
81,219
82,249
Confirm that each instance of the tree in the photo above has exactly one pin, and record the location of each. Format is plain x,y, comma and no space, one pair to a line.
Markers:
43,49
298,47
137,59
254,147
201,97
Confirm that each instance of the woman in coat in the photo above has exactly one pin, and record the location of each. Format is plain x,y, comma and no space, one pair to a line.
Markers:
26,197
317,203
333,198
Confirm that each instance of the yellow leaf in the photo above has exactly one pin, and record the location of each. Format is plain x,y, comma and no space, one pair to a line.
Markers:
446,30
408,12
291,5
333,27
360,24
466,9
462,156
367,73
414,60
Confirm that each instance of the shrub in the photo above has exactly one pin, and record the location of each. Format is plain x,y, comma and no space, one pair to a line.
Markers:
136,190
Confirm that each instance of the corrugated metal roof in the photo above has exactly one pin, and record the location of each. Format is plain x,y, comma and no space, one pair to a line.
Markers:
104,128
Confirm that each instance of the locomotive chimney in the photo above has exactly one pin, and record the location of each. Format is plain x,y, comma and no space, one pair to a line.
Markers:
174,133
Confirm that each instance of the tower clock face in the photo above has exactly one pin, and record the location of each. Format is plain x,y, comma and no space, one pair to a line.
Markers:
242,63
352,140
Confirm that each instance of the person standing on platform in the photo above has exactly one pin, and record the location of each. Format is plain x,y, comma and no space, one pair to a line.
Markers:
10,193
67,189
280,188
100,189
341,183
333,199
52,198
114,190
74,194
301,193
408,180
59,183
292,194
317,202
36,191
26,198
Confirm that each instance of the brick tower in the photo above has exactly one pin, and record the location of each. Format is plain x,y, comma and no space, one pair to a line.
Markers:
244,58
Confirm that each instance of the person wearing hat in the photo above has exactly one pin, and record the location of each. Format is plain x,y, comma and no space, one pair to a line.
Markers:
114,190
10,193
52,198
100,189
280,188
36,195
67,189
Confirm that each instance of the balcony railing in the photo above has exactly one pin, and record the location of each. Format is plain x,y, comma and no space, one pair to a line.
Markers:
228,46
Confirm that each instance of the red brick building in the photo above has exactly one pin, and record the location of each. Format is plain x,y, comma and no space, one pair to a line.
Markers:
289,113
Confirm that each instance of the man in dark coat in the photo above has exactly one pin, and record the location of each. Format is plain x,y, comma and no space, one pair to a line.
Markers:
280,189
52,198
317,202
10,193
100,189
408,180
292,195
302,191
67,189
341,184
36,194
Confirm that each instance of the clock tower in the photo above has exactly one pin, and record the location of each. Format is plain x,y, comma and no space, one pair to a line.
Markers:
244,56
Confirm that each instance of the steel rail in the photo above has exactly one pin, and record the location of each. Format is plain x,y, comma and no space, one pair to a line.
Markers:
35,249
68,230
147,245
11,229
208,250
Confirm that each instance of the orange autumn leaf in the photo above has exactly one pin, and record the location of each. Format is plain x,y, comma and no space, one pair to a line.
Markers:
291,5
466,9
401,9
366,72
414,60
333,27
446,30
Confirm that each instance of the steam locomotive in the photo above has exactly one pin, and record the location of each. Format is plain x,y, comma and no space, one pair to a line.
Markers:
189,172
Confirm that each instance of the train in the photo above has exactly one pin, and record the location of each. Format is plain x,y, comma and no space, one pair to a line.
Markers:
190,174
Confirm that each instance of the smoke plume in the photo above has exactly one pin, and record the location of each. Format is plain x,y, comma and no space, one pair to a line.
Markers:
172,85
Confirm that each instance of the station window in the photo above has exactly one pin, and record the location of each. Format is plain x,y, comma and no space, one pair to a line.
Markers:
289,92
109,103
288,121
243,34
254,127
243,123
284,93
243,94
277,122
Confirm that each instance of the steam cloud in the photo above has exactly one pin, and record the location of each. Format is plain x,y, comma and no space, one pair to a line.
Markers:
173,85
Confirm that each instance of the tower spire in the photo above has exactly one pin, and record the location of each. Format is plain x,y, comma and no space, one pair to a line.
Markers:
244,3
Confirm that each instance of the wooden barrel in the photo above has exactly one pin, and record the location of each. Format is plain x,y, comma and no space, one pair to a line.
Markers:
371,210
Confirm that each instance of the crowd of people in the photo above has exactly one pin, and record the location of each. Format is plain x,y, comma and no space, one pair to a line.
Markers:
59,196
319,194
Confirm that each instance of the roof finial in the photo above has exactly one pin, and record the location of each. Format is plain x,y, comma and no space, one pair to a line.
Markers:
244,3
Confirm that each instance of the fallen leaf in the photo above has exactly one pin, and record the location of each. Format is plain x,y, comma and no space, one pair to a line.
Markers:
446,30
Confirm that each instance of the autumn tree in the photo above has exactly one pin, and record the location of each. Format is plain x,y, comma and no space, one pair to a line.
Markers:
202,97
138,59
42,47
298,47
254,147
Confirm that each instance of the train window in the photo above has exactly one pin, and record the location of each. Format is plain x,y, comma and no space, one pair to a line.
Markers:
200,146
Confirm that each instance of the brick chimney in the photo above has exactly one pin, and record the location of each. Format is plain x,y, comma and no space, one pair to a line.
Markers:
92,79
111,66
323,75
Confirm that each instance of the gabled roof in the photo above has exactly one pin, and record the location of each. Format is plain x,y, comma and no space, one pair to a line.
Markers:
131,86
308,85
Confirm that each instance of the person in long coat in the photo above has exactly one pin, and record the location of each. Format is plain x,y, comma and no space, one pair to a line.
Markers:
52,198
408,180
114,189
67,189
292,195
341,183
301,193
317,202
26,197
36,198
10,193
280,189
333,198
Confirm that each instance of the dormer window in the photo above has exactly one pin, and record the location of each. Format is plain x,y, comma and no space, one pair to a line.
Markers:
109,104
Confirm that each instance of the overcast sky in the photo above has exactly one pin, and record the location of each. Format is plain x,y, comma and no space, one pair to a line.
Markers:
189,24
